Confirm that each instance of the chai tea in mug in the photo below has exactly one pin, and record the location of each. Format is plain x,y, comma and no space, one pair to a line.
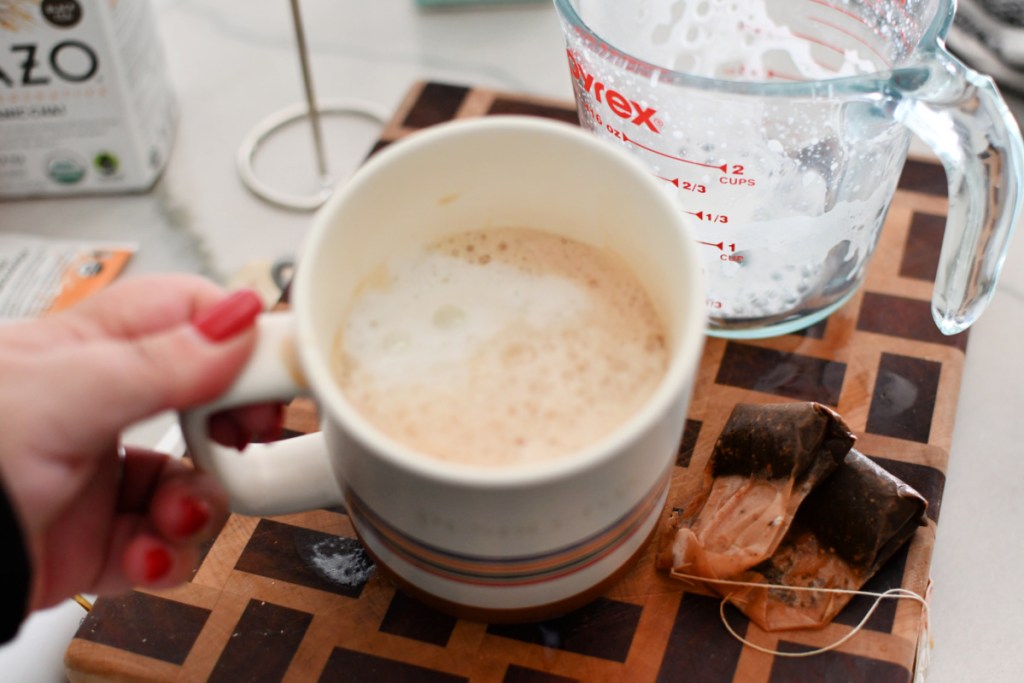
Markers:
500,346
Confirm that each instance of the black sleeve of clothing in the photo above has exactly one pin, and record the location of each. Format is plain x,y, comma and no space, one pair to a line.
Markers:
14,571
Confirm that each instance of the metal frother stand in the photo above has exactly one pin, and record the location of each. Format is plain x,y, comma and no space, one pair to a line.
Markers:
281,119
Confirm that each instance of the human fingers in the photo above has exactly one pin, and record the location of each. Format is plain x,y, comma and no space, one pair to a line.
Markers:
135,555
168,510
181,503
127,380
143,305
188,506
150,561
241,426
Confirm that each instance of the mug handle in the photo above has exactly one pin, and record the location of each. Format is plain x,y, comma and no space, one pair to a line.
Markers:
960,114
274,478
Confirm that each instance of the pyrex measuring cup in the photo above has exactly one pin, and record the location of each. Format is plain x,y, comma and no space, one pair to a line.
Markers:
782,127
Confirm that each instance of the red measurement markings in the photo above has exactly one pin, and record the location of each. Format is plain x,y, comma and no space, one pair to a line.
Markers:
880,11
734,179
686,185
720,246
740,72
724,168
709,217
728,251
731,172
849,34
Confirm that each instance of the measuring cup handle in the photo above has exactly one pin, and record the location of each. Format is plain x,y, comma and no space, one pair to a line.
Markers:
274,478
963,118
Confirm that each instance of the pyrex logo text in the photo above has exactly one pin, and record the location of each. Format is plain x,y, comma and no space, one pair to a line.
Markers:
621,106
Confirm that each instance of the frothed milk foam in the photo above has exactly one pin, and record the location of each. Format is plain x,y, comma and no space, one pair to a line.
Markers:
501,346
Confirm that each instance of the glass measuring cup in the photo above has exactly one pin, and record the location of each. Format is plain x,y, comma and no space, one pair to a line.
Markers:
782,127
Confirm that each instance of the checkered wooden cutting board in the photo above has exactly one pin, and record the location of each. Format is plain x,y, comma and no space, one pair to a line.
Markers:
295,598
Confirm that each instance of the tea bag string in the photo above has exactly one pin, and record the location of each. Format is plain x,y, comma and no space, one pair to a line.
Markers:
891,594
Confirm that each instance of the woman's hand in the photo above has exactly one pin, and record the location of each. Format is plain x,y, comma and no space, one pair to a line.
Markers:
71,382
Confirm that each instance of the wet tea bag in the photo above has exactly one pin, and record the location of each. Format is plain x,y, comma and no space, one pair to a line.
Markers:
765,462
844,531
787,501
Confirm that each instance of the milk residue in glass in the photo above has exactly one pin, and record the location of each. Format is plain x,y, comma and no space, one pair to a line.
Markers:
747,40
501,346
786,193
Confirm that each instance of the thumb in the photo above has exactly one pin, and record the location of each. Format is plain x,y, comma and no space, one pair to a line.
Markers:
182,366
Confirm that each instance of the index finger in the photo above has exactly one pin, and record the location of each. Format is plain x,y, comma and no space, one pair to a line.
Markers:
142,305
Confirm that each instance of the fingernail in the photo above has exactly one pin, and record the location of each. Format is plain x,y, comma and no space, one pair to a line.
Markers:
194,514
232,315
157,562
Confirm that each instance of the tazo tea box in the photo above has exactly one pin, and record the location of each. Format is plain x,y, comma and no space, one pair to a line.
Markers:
86,104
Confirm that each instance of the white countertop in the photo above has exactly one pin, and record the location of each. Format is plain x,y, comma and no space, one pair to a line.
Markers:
234,62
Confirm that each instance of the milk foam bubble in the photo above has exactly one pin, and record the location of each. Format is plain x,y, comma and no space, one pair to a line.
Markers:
501,346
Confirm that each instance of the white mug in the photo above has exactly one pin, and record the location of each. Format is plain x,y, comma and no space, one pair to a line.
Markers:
499,543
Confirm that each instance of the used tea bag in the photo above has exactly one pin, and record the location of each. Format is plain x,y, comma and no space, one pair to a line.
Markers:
787,501
845,530
766,461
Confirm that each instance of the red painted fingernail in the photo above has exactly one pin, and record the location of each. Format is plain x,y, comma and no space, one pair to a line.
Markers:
194,514
157,562
232,315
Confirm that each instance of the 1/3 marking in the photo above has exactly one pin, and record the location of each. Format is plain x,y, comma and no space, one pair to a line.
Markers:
709,217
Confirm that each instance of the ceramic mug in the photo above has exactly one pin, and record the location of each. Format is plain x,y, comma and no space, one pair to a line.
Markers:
493,543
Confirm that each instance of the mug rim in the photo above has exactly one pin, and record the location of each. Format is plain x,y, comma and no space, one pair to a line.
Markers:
686,350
